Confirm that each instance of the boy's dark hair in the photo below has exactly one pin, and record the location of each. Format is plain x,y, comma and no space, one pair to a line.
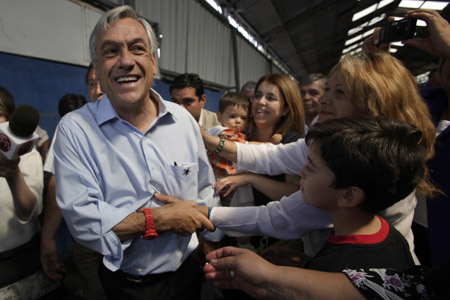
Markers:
188,80
381,156
6,102
232,99
70,102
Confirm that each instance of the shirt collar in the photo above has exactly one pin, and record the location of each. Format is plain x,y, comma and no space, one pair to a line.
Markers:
362,239
200,120
106,111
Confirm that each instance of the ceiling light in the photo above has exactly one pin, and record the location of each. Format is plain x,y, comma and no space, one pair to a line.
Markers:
393,50
364,12
377,19
214,5
368,32
421,23
398,44
410,4
354,30
233,22
436,5
349,48
357,29
351,41
383,3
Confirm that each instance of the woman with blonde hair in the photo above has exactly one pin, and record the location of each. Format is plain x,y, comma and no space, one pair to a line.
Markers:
372,84
380,85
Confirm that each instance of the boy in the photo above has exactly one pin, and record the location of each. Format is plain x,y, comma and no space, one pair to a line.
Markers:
356,168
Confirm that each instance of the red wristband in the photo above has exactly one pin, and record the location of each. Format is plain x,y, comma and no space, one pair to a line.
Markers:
150,232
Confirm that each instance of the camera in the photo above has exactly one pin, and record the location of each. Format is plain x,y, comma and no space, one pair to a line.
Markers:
398,30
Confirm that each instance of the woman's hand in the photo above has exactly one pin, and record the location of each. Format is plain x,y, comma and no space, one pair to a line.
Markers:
226,186
8,167
372,43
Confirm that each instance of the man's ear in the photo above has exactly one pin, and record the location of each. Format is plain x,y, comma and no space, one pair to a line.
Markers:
352,197
203,100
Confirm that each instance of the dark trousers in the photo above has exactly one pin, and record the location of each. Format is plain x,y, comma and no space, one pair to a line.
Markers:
184,283
21,262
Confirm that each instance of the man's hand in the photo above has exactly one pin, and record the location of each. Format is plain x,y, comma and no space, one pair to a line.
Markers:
438,41
236,268
51,265
181,217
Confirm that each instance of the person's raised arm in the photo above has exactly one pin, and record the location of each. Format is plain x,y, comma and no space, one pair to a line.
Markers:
235,268
24,199
225,149
438,40
271,188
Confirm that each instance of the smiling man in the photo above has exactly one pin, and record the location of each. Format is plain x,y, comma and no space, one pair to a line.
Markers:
113,155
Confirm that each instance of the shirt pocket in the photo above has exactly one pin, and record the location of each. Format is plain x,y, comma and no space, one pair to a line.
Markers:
183,180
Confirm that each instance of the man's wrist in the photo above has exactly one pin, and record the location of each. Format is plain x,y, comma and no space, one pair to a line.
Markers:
204,210
150,231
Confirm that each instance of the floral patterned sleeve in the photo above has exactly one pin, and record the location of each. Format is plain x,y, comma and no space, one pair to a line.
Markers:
388,284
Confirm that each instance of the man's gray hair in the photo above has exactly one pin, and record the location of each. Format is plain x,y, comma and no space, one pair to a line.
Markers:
310,78
113,16
248,86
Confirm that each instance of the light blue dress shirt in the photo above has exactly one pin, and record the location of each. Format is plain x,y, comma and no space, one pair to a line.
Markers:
106,169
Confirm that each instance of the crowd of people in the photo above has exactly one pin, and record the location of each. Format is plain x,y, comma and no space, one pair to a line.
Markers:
304,191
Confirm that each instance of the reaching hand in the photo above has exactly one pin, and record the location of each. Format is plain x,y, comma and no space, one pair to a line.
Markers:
50,263
438,41
181,217
226,186
236,268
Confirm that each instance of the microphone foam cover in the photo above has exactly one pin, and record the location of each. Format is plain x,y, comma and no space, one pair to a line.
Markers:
24,120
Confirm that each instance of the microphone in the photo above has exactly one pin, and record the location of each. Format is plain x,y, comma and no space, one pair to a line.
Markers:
17,136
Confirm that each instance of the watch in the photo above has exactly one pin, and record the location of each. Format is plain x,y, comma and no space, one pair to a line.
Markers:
150,232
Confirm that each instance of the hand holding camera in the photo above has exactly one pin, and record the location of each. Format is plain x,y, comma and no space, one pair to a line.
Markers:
398,30
438,40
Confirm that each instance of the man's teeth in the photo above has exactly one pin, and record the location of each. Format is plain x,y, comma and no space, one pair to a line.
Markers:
127,79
